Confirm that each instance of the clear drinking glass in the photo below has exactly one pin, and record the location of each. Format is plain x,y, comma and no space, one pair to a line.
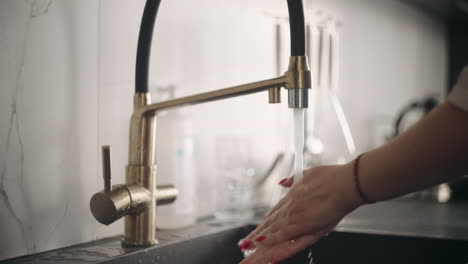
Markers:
235,178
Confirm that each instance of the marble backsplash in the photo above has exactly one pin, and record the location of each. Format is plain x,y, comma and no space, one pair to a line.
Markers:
66,74
48,124
66,71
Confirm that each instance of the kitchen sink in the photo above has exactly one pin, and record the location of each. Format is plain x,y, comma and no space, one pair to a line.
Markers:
337,247
388,232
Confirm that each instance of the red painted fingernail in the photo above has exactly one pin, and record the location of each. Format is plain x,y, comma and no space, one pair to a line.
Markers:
283,180
245,244
260,238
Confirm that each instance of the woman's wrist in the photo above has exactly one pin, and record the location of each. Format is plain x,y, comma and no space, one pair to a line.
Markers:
347,196
357,181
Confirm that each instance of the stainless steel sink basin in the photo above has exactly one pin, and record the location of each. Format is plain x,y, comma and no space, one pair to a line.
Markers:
338,247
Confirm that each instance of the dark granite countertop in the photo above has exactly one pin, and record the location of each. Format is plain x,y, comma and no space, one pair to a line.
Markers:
106,249
410,218
406,218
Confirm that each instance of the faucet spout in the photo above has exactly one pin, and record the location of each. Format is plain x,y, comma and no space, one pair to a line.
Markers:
137,198
299,82
217,95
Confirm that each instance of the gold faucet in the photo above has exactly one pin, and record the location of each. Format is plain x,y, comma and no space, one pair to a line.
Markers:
138,197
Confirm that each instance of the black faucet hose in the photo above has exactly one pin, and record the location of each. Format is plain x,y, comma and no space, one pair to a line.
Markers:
144,45
296,21
296,24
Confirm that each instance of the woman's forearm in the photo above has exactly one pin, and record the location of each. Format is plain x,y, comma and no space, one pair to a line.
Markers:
433,151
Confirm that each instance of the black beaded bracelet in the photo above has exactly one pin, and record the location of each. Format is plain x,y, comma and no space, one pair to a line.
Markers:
357,183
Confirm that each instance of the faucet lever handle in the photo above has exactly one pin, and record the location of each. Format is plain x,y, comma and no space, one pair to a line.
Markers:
106,168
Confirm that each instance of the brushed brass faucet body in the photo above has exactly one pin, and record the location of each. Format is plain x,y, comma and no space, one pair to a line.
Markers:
137,199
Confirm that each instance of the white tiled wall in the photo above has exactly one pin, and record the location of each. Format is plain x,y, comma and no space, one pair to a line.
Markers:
66,73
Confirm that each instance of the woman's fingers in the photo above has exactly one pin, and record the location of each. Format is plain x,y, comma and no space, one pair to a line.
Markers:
309,211
285,227
275,217
277,234
287,182
288,224
269,218
282,226
285,249
280,252
289,248
283,235
284,200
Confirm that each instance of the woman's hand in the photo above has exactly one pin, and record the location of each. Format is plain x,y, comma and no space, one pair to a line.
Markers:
308,212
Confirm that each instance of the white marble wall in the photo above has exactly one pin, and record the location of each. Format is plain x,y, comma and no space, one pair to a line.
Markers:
48,124
66,74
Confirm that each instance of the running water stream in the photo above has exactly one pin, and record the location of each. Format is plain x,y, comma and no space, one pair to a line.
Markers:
298,162
298,145
299,155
